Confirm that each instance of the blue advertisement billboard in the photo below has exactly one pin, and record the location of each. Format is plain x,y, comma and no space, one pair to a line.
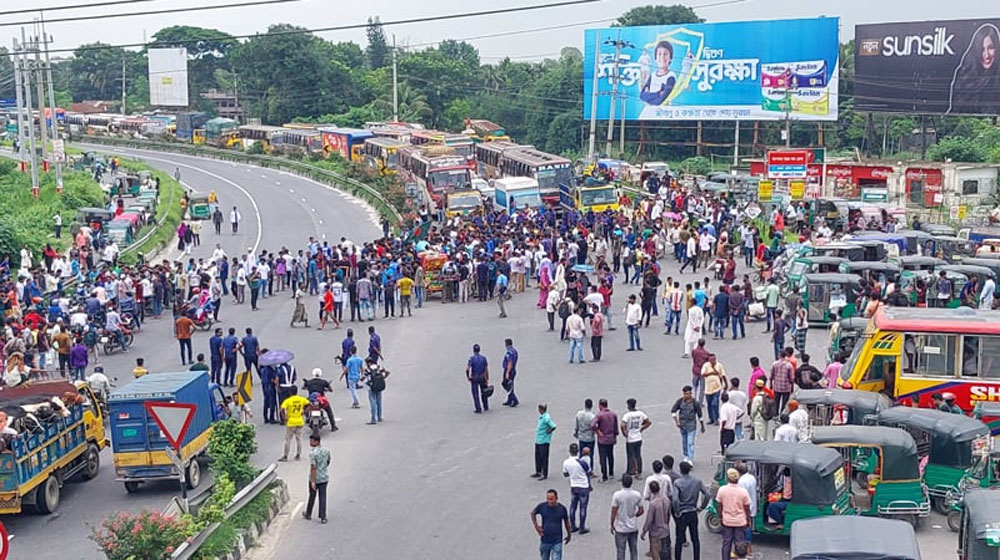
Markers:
757,70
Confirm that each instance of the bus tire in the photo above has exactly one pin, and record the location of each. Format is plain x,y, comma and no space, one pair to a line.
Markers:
713,522
47,496
132,487
954,520
92,462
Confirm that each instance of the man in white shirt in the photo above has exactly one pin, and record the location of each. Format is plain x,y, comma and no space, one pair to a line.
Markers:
729,416
234,219
633,423
987,295
786,432
691,255
662,478
578,469
739,399
626,507
798,418
576,328
633,316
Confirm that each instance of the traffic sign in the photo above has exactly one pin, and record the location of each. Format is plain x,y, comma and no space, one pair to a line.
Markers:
172,418
788,164
244,388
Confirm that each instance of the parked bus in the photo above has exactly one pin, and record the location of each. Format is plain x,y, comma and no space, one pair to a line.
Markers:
485,131
347,142
462,144
434,175
395,132
254,133
549,170
488,155
295,139
910,353
380,154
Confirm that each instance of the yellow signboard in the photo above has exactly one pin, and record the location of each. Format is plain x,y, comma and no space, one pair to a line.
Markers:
244,387
765,190
962,211
797,189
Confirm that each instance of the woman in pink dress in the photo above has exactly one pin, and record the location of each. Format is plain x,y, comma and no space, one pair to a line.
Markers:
544,282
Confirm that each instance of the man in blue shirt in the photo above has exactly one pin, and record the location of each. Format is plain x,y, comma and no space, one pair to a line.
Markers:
374,345
250,347
352,371
229,345
509,372
554,519
269,384
345,347
477,371
215,351
501,289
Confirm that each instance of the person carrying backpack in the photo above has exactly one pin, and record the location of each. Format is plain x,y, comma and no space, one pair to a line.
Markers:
375,375
564,310
763,409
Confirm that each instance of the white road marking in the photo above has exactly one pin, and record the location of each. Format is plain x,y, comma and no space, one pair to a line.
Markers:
321,222
313,209
188,187
277,182
263,176
303,200
256,209
291,190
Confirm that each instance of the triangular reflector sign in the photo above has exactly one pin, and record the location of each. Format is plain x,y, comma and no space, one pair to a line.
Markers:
172,418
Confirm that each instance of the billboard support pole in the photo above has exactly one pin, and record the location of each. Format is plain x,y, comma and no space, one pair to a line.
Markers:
788,117
736,146
614,96
593,99
621,133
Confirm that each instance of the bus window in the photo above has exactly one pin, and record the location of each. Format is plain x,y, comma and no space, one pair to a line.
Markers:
989,349
936,354
970,356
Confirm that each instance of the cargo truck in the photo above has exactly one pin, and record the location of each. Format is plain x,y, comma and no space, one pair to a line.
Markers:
37,462
516,193
139,445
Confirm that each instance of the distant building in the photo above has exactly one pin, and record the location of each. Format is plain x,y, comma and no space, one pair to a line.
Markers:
227,105
90,107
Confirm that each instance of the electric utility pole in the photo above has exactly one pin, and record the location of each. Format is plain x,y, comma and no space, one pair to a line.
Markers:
619,44
58,149
593,98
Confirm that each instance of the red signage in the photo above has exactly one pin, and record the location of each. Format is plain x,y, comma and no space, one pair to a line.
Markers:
174,419
791,157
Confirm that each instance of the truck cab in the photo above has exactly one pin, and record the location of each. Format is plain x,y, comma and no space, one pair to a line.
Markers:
514,193
35,463
587,197
463,202
139,445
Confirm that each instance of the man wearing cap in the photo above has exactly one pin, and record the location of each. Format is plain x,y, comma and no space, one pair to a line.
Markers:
949,404
734,503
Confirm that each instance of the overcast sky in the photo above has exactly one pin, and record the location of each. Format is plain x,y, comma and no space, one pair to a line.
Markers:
525,46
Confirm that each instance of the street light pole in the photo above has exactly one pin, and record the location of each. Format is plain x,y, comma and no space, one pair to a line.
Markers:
593,98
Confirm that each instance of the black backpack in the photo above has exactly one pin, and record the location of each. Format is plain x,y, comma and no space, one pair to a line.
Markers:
770,410
376,380
563,310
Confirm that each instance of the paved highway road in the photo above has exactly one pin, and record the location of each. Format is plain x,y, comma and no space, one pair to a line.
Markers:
434,480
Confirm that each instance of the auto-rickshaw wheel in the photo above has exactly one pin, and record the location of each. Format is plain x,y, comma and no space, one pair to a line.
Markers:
955,520
713,522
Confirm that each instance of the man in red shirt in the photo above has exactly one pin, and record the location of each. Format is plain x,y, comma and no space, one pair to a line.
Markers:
326,312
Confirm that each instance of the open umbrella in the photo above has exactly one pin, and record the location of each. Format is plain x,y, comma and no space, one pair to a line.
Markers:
275,357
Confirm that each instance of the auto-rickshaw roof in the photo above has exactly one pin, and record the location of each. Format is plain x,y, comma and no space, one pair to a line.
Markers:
957,427
899,452
983,506
962,320
968,269
856,324
920,260
95,211
864,242
875,265
876,236
797,456
864,402
198,198
831,278
992,264
915,233
848,537
823,259
935,229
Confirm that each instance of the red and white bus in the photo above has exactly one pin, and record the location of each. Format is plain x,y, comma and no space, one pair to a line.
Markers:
435,175
488,156
463,145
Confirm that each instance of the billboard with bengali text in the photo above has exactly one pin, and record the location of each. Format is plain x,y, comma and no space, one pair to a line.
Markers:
758,70
168,77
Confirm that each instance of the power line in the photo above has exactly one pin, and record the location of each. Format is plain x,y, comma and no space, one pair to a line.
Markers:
147,13
75,7
349,27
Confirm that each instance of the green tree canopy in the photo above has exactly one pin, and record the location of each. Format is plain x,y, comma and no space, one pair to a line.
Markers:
658,15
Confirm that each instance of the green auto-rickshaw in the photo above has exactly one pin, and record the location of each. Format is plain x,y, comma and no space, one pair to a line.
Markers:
953,443
880,271
819,485
838,407
919,262
848,332
911,280
985,473
990,263
979,531
199,208
830,291
809,264
853,538
884,462
980,273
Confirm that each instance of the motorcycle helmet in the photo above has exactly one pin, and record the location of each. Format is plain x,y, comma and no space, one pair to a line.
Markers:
317,372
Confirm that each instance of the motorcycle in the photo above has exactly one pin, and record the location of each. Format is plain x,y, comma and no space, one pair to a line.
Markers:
109,341
202,317
316,419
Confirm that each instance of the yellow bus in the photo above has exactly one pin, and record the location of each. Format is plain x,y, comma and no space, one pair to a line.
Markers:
911,353
380,154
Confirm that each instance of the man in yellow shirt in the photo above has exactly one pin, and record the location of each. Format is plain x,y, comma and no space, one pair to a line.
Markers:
293,414
405,289
140,368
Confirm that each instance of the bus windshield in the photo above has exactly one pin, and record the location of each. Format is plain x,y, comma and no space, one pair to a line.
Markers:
464,149
852,362
590,197
449,179
468,200
531,200
551,178
390,160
